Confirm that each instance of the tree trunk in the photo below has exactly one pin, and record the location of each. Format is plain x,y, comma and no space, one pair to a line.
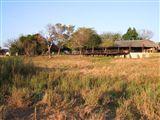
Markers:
92,49
59,50
49,51
105,49
80,51
27,53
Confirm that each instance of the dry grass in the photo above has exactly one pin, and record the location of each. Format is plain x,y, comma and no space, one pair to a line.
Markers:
77,87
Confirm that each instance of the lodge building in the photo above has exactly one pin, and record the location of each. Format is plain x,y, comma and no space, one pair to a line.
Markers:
136,45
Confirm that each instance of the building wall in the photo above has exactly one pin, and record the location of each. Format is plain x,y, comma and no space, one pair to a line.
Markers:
142,55
137,55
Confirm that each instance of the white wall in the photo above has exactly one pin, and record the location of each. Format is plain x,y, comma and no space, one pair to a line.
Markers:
141,55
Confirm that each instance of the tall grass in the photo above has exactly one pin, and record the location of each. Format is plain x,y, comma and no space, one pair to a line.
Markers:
83,87
14,73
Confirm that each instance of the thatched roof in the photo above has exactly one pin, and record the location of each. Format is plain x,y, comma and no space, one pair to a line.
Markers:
135,43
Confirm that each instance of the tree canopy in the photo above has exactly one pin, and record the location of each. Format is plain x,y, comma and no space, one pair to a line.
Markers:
85,37
109,38
29,45
60,34
131,34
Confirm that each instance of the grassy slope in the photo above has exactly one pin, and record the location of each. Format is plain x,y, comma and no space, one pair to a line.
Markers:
88,87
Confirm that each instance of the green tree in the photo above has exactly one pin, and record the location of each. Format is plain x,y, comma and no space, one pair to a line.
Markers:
131,34
111,36
28,45
93,41
84,37
117,36
16,46
107,43
41,44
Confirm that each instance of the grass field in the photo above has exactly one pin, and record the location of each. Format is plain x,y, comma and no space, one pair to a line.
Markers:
77,87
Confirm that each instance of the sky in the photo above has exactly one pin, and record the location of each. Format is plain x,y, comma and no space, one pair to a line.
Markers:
29,17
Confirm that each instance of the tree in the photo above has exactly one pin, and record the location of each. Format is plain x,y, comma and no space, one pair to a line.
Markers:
145,34
111,36
84,37
60,34
131,34
41,44
107,43
50,37
93,41
117,36
29,45
63,35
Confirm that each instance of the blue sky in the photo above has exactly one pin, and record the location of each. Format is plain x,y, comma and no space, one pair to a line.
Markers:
24,17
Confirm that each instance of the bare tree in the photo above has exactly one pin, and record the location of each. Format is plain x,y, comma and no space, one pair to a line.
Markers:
50,37
63,34
145,34
60,34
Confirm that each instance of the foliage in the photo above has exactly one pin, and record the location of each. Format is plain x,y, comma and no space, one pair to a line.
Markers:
63,37
107,43
60,34
93,41
85,37
131,34
29,45
111,36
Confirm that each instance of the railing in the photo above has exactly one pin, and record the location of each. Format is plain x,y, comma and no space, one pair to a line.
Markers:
104,53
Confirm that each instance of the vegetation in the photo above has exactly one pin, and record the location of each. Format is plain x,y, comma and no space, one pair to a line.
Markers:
109,38
29,45
58,33
65,37
131,34
76,87
145,34
85,37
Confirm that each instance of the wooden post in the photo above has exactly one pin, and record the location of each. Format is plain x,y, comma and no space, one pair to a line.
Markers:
105,49
130,48
118,49
3,113
35,113
92,49
142,47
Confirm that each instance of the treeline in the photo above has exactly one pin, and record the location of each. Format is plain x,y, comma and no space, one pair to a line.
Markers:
59,37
